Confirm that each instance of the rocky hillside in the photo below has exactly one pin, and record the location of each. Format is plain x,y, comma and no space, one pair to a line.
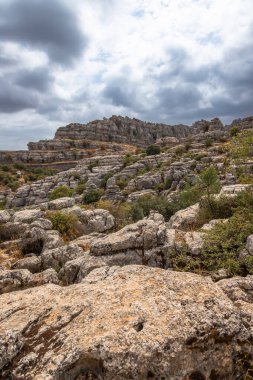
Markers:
136,263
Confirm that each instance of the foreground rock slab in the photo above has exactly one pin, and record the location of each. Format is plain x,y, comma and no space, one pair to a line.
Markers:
126,323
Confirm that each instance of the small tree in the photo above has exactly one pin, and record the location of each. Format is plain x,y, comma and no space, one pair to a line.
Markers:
209,182
234,131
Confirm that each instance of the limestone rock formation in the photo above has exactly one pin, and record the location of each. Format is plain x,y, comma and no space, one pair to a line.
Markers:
134,322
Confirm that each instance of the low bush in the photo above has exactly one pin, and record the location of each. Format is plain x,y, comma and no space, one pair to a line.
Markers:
61,221
208,142
122,212
146,203
153,150
92,196
80,187
61,192
3,204
224,242
234,131
129,159
121,182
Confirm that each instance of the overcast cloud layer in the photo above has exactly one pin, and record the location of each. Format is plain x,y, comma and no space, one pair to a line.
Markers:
172,61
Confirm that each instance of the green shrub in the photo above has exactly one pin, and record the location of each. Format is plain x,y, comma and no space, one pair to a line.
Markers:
234,131
80,187
61,221
209,182
19,166
92,196
121,182
5,168
2,204
129,159
122,212
208,142
153,150
146,203
224,242
61,192
188,197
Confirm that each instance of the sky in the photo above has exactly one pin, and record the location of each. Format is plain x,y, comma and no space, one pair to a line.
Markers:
170,61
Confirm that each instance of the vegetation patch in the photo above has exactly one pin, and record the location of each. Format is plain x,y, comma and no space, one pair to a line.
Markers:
61,192
92,196
153,150
61,221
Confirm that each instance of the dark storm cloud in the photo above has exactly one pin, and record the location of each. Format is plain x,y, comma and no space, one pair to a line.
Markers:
39,79
178,97
121,93
13,99
46,25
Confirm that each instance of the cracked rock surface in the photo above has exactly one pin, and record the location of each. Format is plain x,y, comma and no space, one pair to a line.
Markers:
173,326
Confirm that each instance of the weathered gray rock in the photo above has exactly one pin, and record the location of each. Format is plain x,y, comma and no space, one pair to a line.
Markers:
143,235
32,263
249,244
97,220
48,276
19,279
76,270
233,190
52,239
115,327
11,280
182,241
184,219
44,224
4,216
194,241
27,216
56,258
61,203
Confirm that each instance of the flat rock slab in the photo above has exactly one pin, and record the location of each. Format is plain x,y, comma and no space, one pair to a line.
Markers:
125,323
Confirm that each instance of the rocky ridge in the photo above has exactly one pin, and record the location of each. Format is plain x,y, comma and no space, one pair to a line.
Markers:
108,136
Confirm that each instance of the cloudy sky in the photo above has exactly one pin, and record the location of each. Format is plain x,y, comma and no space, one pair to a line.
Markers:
172,61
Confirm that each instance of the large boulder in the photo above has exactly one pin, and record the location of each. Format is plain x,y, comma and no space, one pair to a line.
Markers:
11,280
76,270
4,216
126,323
97,220
61,203
18,279
27,216
144,235
56,258
31,263
233,190
184,219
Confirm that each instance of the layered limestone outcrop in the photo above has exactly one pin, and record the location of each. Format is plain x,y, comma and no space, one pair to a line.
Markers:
115,134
